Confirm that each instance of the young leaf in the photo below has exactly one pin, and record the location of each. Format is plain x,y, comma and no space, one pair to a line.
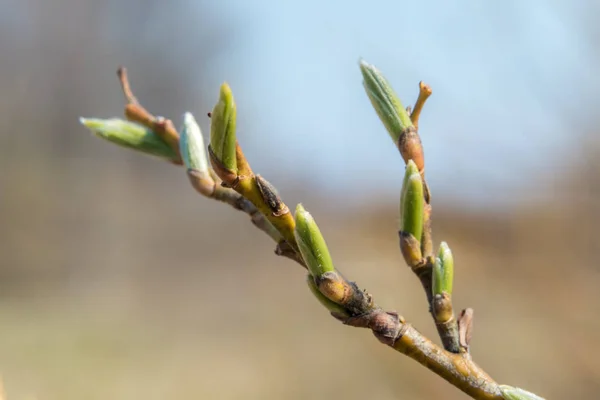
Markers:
191,145
130,135
222,129
411,202
386,103
443,271
311,243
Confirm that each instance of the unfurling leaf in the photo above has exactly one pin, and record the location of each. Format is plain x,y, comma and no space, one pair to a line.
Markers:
311,243
191,145
394,116
443,271
130,135
222,130
412,202
386,103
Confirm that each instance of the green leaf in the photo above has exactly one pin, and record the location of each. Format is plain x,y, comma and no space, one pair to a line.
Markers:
386,103
311,243
443,271
412,202
512,393
191,145
222,129
130,135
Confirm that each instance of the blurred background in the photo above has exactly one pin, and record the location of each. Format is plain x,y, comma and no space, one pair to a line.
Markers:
117,281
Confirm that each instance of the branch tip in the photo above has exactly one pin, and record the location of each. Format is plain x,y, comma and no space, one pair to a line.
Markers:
126,86
424,93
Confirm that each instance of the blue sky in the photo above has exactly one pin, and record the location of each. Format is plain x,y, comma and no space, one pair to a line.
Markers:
513,83
504,74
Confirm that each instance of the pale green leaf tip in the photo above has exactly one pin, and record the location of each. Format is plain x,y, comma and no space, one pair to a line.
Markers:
445,253
300,209
364,65
130,135
191,145
111,126
225,92
304,218
513,393
97,125
411,168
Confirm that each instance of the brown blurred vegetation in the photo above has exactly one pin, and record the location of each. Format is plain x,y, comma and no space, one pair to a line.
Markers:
119,282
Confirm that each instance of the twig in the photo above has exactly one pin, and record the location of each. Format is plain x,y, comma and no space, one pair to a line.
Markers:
257,198
393,330
424,93
125,86
440,307
211,186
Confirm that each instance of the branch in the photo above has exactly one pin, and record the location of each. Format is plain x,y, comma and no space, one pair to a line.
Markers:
416,242
231,180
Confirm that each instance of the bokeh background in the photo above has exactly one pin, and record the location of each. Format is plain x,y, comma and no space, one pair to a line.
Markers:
117,281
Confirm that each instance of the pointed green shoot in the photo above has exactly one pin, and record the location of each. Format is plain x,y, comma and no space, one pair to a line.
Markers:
512,393
191,145
222,129
412,202
334,308
311,243
130,135
443,271
386,103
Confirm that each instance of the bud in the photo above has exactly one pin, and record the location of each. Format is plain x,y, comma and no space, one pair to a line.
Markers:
441,306
336,310
512,393
311,243
130,135
443,271
411,250
385,102
191,145
392,113
411,202
222,134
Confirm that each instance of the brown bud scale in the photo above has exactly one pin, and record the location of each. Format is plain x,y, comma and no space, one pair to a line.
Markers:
411,148
270,196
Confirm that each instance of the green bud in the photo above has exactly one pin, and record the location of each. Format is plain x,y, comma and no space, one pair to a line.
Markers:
191,145
512,393
443,271
130,135
335,309
222,129
311,243
411,202
385,102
